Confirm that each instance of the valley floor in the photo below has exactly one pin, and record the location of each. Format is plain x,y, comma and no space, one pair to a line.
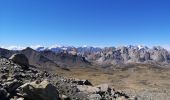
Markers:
146,81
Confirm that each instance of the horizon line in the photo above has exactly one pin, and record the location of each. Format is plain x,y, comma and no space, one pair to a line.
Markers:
19,47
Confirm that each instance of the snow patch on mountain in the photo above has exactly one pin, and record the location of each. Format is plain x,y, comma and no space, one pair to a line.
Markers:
14,47
55,46
167,47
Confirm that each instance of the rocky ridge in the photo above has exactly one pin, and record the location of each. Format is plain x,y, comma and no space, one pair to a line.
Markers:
20,83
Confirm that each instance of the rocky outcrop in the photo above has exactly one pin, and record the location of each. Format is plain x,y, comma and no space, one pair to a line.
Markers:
38,91
67,88
13,75
20,59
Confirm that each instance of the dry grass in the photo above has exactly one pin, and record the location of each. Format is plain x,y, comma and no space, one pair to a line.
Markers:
132,77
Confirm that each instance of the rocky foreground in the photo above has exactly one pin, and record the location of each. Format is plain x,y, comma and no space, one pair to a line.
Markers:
21,81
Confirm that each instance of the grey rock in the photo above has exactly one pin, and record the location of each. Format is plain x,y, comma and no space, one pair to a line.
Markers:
4,76
94,97
103,87
88,89
12,86
82,82
20,59
39,91
3,94
64,97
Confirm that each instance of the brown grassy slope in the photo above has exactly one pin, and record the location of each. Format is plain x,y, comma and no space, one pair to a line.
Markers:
135,77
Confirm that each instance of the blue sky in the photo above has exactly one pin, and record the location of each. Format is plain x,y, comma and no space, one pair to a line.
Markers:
84,22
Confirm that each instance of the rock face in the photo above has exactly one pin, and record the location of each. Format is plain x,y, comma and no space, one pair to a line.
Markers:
20,59
133,54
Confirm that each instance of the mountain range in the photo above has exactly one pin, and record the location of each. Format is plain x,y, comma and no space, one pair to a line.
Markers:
61,47
67,56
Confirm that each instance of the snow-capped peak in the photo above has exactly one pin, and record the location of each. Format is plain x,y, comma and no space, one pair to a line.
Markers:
137,47
35,46
55,46
14,47
142,47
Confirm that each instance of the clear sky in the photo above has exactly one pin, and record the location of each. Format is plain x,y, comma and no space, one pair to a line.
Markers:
84,22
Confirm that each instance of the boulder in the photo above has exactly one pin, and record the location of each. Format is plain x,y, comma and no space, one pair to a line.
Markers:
64,97
38,91
82,82
16,98
20,99
94,97
20,59
121,98
103,87
87,89
4,76
3,94
12,86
